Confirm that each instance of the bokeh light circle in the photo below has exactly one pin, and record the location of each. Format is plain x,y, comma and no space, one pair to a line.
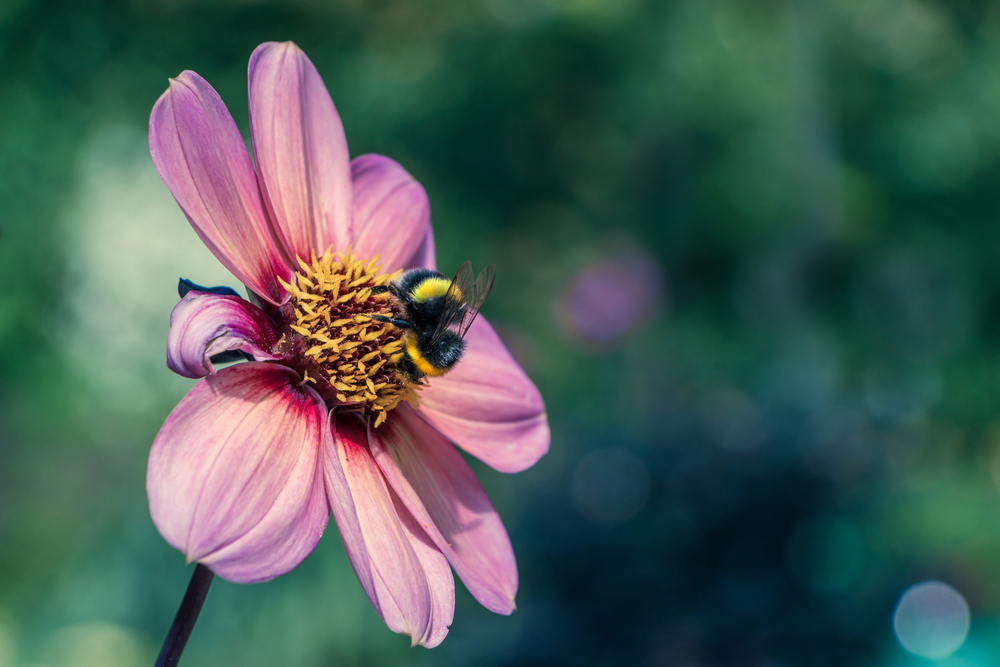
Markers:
931,620
607,300
610,486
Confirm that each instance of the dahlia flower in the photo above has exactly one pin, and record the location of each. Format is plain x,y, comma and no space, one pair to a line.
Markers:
247,468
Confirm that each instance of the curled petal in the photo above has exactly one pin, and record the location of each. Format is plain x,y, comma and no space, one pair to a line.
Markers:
203,325
488,406
200,155
392,216
404,575
301,151
234,477
444,496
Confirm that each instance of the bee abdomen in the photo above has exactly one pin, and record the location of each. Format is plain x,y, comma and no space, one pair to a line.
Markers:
437,359
446,352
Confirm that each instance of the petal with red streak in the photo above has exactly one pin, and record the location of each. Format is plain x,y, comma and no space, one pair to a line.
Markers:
488,406
444,496
234,477
392,216
200,155
402,572
203,325
301,151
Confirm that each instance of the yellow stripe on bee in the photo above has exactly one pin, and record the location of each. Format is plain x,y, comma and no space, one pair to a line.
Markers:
432,287
419,360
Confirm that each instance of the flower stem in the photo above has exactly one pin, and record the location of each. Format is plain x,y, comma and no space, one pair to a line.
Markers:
186,617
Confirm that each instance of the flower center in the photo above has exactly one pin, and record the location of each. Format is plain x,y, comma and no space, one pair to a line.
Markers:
352,360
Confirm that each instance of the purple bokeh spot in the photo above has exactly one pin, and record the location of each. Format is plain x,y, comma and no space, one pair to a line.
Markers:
607,300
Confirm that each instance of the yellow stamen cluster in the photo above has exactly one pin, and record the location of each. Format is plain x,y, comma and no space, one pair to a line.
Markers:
351,358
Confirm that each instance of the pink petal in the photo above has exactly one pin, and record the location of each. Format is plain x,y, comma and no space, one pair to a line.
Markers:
434,566
488,406
426,256
234,479
392,216
404,575
202,325
301,151
203,161
444,496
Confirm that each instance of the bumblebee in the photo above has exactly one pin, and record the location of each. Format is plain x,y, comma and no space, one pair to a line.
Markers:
438,313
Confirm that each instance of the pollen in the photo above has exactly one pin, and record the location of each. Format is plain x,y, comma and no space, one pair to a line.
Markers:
349,358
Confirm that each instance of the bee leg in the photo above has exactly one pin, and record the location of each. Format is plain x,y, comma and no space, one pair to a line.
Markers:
402,324
393,290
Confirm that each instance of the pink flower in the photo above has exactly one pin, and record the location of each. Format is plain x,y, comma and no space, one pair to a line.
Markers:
247,468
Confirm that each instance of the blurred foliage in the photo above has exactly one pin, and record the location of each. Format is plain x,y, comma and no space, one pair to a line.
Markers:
801,420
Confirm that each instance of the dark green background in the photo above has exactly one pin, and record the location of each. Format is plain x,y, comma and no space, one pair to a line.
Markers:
814,395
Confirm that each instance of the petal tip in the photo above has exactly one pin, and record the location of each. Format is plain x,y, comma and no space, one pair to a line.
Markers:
183,80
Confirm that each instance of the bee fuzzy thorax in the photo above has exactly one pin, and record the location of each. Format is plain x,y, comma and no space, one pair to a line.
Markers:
333,340
435,286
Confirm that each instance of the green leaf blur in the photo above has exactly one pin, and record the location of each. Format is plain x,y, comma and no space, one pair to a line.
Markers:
746,248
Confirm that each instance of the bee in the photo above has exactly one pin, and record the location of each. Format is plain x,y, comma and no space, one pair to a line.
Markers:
438,313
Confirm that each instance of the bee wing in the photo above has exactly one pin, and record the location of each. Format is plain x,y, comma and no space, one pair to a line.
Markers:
455,300
476,296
